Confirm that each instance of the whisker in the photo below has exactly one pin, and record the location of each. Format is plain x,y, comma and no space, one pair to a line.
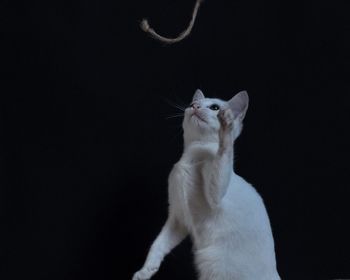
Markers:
179,100
175,105
175,116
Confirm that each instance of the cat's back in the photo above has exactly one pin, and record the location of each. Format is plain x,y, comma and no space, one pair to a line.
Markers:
242,196
238,234
243,205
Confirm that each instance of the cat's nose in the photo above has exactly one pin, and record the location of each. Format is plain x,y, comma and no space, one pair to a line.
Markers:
195,106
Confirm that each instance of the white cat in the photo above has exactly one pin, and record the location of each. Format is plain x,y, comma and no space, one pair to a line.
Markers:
224,215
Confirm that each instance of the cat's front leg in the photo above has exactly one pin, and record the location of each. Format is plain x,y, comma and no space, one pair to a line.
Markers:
146,272
226,120
170,236
217,172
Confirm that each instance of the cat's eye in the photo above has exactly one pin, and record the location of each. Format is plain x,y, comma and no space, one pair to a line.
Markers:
214,107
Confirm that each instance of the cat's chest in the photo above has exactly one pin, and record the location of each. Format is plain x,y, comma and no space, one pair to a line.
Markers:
186,184
188,171
190,176
186,193
186,179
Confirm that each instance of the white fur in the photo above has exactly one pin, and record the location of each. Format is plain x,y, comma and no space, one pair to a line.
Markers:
224,215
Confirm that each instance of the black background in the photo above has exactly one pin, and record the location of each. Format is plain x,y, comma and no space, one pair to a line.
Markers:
87,146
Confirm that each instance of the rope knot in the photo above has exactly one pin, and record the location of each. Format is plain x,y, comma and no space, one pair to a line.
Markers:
145,25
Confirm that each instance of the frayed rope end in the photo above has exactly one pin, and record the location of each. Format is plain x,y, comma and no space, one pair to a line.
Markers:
145,25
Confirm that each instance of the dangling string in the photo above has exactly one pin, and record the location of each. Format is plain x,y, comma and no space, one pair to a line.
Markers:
146,27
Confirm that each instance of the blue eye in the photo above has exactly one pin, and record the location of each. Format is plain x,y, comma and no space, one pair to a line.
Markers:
214,107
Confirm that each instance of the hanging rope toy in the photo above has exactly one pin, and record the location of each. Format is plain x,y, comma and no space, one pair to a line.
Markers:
146,27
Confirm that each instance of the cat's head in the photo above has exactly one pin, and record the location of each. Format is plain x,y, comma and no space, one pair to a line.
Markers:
201,121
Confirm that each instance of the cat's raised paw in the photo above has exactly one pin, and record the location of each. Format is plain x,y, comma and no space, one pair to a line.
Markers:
225,117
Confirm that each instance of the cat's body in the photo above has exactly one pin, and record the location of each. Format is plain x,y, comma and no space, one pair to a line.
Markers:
233,241
223,214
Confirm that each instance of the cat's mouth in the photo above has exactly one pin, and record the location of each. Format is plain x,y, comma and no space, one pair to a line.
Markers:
198,117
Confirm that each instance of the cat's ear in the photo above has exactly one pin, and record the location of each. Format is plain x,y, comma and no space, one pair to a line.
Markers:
198,95
239,104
